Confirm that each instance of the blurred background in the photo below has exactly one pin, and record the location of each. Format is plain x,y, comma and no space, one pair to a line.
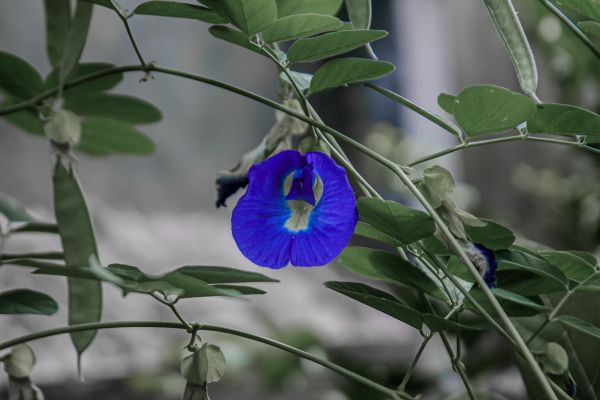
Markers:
158,212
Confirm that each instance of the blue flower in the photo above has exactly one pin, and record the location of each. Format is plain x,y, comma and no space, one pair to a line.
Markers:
489,274
298,209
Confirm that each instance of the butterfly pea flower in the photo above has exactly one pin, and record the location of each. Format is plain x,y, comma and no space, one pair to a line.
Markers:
298,209
485,262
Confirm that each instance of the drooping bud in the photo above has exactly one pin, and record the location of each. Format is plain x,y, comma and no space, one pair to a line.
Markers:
63,128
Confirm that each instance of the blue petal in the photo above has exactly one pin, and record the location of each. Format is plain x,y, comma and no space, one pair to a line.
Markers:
489,275
259,219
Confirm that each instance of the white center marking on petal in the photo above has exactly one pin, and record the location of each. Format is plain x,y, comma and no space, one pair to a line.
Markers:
301,210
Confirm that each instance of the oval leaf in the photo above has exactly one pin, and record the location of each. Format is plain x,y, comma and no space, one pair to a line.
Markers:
290,7
58,23
179,10
102,136
300,25
25,301
482,109
344,71
118,107
251,16
331,44
565,119
359,12
395,220
96,85
18,78
492,235
378,300
233,36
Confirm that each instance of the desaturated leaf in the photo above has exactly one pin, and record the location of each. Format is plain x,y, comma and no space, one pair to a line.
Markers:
13,210
103,83
492,235
299,26
205,365
21,361
482,109
25,301
179,10
331,44
251,16
117,107
75,39
359,12
103,136
344,71
290,7
58,23
64,127
564,119
588,8
590,27
554,359
233,36
18,78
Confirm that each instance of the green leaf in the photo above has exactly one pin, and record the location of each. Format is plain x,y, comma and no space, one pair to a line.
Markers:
290,7
518,299
79,243
25,120
64,127
301,79
300,25
18,78
13,210
359,12
205,365
446,102
573,266
344,71
588,8
384,266
519,261
437,184
223,275
251,16
564,119
331,44
482,109
513,36
20,362
492,235
378,300
554,359
590,27
104,3
58,23
395,220
579,325
437,324
233,36
179,10
366,230
76,39
96,85
118,107
25,301
103,136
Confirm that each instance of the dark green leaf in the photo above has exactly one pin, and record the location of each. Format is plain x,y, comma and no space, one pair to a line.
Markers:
366,230
446,102
520,261
26,120
381,265
251,16
395,220
579,325
233,36
518,299
588,8
25,301
300,25
378,300
436,324
493,235
76,39
290,7
223,275
118,107
13,210
554,359
331,44
344,71
238,289
564,119
573,266
103,136
58,23
96,85
104,3
590,27
79,243
18,78
193,287
179,10
359,12
482,109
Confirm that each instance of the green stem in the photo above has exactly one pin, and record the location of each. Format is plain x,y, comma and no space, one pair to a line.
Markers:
567,21
123,17
390,393
414,362
412,106
530,138
47,255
